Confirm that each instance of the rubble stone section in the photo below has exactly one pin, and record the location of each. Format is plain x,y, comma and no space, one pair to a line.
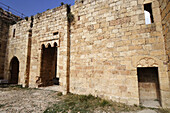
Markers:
98,53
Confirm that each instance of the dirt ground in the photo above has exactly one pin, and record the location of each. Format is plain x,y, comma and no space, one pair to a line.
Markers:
18,100
24,100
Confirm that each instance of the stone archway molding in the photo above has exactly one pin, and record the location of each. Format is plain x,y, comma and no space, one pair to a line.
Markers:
147,62
50,42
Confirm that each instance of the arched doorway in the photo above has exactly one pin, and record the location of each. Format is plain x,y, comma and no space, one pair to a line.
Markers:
14,71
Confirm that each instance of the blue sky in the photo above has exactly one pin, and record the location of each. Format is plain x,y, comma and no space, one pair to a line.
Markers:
32,7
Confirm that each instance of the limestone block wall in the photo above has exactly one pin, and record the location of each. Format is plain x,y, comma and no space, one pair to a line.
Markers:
109,40
49,27
4,27
165,7
17,47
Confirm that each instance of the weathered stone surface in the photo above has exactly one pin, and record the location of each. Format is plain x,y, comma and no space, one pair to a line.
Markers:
99,52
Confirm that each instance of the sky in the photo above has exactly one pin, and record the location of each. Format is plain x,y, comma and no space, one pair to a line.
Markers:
32,7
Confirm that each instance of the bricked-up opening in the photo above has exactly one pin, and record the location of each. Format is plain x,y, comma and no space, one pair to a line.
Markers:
49,66
148,84
14,70
148,13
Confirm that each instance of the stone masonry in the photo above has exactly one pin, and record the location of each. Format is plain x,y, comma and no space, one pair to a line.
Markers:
101,52
6,19
165,7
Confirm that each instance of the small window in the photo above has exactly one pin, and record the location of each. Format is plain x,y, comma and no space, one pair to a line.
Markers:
14,33
78,18
148,13
55,33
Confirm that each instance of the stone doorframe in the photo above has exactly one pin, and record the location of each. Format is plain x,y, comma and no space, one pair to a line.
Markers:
46,43
148,61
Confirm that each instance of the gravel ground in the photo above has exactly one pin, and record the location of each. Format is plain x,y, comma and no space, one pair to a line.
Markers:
18,100
23,100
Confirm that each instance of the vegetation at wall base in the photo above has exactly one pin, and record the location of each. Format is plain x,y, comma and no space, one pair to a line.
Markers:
83,104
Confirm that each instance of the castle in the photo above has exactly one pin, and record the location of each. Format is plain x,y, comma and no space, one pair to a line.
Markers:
98,47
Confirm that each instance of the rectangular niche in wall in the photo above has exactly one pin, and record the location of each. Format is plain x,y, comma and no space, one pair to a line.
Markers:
148,83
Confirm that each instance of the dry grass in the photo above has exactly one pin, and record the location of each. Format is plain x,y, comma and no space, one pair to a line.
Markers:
84,104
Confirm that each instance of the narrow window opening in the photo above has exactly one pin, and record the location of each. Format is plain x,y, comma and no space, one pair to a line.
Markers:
148,13
55,33
78,18
14,33
30,33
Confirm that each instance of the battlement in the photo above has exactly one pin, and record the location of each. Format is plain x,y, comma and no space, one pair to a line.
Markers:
84,1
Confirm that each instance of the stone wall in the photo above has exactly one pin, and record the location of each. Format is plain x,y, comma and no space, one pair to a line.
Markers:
165,7
4,27
17,47
109,40
49,27
6,19
98,53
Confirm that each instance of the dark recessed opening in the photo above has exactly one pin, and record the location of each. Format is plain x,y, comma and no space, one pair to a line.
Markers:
30,33
49,66
148,13
78,18
14,71
148,83
14,33
55,33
